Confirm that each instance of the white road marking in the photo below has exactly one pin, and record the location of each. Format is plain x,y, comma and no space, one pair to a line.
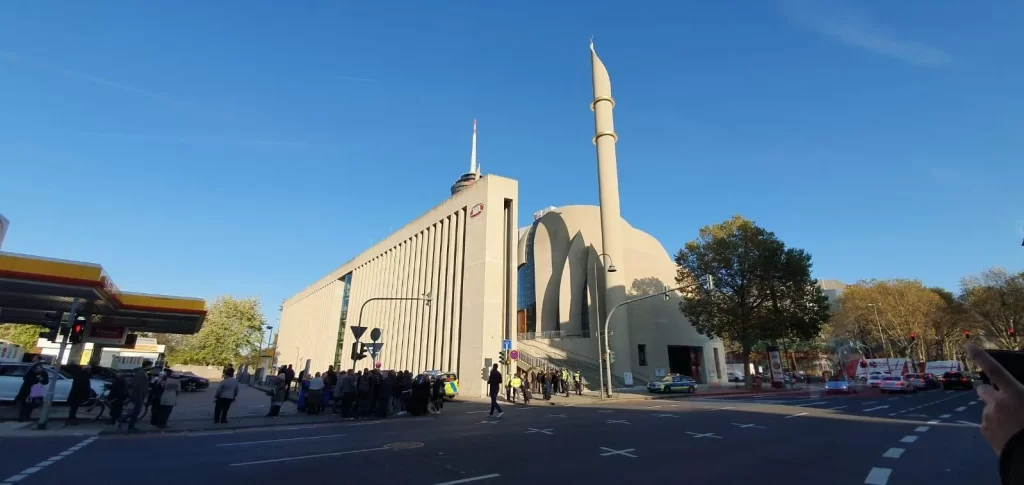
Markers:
810,404
604,410
869,402
893,453
876,408
467,480
970,423
878,476
475,412
747,425
304,457
282,439
944,416
557,415
908,439
39,466
618,452
617,421
949,392
666,415
727,407
703,435
934,421
972,403
837,407
796,415
545,430
653,407
921,429
961,408
893,398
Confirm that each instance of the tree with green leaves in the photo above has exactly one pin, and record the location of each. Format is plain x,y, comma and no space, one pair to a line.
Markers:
760,291
231,330
24,335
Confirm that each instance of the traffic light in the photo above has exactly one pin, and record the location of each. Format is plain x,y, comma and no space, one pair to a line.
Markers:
611,357
503,357
358,351
52,324
77,332
1012,333
967,334
913,337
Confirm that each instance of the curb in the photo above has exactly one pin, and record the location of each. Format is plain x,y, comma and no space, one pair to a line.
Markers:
722,394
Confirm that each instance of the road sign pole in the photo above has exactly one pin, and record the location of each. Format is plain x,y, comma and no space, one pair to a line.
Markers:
48,400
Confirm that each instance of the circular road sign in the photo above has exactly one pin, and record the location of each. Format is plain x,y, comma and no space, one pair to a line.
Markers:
375,334
513,354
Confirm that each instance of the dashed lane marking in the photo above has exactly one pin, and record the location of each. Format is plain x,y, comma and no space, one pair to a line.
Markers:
837,407
467,480
961,408
972,403
283,439
921,429
617,421
909,439
876,408
747,425
796,415
811,404
894,453
39,466
878,476
703,435
944,416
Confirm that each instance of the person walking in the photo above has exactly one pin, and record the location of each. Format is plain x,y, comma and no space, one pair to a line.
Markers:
565,381
348,385
117,396
137,395
226,394
79,391
494,381
171,386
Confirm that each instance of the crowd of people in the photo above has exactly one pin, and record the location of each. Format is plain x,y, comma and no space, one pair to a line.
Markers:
358,394
523,384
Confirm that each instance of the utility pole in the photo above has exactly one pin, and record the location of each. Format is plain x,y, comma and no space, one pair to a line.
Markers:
597,307
48,400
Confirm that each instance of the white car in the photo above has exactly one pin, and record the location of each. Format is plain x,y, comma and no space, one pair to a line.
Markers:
12,375
897,384
875,378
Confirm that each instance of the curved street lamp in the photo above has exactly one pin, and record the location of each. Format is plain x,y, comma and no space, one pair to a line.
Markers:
597,306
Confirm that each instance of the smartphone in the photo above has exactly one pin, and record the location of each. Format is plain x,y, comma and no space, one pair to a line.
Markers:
1012,360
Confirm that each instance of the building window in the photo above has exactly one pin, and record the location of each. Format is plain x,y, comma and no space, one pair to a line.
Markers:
585,317
641,352
718,364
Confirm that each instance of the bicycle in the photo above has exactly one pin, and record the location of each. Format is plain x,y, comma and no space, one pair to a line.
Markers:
102,401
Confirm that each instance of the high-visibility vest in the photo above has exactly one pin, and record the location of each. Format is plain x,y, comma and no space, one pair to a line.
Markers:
517,382
576,376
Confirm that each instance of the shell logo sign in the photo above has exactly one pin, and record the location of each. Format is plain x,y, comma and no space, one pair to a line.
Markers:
476,210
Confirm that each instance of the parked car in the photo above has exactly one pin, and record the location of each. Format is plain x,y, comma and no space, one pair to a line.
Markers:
12,374
192,383
672,384
840,384
735,377
956,380
897,384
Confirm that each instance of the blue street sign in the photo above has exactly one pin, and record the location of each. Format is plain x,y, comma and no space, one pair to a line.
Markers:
506,344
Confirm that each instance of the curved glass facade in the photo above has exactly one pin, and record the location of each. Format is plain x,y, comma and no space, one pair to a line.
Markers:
526,301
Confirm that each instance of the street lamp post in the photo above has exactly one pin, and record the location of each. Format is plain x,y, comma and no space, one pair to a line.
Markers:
426,298
597,306
885,343
608,319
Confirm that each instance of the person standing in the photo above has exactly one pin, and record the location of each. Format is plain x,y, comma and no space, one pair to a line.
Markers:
278,392
577,379
116,397
35,375
226,394
168,397
79,392
137,394
289,376
494,381
517,383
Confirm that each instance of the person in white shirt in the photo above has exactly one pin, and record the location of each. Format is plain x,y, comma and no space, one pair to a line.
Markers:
314,395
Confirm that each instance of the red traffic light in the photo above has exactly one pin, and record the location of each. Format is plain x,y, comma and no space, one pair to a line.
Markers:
77,328
1011,332
913,335
967,334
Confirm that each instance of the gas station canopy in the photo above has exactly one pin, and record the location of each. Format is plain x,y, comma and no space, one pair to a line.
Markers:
32,286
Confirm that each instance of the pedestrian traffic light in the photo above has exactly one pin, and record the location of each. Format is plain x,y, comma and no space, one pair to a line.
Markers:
77,333
1011,332
967,334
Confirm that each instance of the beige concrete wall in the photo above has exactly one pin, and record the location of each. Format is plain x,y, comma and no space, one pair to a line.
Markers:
565,285
464,261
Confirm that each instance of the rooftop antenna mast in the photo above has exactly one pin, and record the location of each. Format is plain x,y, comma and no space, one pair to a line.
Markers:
473,166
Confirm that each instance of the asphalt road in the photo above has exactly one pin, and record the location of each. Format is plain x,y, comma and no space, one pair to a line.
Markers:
866,438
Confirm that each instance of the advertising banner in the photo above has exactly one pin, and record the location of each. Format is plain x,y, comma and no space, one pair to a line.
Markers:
105,334
775,363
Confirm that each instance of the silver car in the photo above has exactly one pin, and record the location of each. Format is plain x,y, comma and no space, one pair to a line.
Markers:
897,384
840,384
12,375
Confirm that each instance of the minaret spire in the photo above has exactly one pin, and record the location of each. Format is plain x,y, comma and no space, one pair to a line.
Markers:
473,167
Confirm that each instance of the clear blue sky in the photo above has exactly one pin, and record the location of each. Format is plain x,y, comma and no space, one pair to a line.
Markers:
206,148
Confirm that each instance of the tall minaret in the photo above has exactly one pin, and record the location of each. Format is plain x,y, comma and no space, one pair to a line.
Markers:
473,174
611,221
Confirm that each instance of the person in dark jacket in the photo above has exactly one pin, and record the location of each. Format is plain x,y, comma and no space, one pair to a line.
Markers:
1002,422
494,385
35,375
117,396
79,391
137,394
